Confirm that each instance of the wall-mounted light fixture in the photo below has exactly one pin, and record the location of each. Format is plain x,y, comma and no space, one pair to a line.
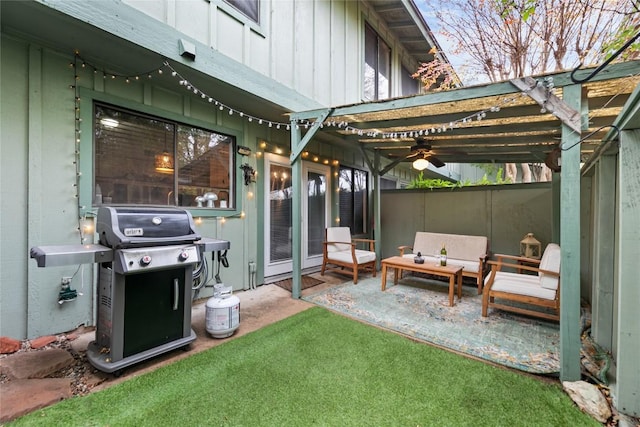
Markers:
243,151
249,173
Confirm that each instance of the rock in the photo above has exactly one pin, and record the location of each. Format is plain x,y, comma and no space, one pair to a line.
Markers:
36,364
9,345
589,399
42,341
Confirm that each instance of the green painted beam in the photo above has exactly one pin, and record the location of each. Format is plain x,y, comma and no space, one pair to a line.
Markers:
627,395
377,223
570,244
603,249
296,202
297,149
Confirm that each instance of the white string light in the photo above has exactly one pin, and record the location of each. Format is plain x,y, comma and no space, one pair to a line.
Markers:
183,82
432,129
221,106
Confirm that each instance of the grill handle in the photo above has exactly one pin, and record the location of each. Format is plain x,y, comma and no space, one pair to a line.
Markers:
176,293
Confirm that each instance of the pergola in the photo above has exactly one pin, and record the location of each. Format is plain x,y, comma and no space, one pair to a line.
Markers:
547,118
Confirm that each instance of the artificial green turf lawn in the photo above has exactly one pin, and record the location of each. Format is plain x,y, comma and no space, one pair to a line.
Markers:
320,368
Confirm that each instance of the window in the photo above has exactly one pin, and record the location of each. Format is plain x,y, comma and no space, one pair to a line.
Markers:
410,86
146,160
249,8
377,66
354,189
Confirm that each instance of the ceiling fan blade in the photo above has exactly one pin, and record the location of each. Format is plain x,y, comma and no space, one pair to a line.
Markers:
435,161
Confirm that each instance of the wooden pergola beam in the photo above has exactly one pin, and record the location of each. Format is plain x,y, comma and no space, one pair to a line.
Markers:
547,100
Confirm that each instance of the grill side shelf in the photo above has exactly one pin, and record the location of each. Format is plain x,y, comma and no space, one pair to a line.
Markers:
58,255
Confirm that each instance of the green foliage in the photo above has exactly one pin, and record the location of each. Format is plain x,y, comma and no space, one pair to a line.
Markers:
626,32
525,9
320,368
423,183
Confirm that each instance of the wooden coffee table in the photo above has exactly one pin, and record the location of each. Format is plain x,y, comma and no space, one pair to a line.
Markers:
399,264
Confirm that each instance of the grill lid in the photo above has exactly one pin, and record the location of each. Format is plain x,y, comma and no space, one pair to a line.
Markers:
126,227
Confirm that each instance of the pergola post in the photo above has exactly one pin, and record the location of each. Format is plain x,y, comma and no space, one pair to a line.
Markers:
604,239
296,212
627,395
570,243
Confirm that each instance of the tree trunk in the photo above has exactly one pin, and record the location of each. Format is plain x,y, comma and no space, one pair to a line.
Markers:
510,172
526,172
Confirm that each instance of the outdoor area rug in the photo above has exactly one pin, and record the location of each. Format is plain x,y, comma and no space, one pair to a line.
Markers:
419,308
307,282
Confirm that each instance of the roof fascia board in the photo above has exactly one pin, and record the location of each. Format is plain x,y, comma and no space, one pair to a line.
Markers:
121,20
417,17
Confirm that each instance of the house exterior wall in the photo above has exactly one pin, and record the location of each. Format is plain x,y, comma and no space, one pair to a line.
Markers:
308,65
311,46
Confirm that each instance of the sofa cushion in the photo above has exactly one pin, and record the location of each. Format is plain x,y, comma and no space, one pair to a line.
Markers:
550,261
521,284
469,266
345,256
459,246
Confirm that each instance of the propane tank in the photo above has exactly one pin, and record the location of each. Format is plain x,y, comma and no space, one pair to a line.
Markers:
222,312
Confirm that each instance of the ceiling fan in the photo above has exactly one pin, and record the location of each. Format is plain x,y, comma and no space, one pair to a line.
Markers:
422,154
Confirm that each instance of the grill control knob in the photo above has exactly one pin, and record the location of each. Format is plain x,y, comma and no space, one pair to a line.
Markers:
184,255
145,260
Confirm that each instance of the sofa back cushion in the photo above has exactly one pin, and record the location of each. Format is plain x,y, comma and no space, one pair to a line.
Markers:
459,246
339,234
551,262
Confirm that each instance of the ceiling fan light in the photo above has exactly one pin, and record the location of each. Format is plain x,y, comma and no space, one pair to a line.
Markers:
420,164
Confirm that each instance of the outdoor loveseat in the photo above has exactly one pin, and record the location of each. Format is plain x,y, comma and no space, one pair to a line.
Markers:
536,294
468,252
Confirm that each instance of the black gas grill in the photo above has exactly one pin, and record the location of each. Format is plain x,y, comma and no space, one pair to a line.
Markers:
145,262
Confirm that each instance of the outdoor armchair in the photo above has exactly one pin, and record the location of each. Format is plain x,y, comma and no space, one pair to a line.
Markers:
339,253
536,294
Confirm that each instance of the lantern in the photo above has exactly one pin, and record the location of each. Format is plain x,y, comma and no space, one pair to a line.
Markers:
530,247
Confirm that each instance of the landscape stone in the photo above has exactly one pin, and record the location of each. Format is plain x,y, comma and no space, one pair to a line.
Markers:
42,341
9,345
36,364
589,399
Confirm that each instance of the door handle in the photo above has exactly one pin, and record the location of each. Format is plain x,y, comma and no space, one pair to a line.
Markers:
176,294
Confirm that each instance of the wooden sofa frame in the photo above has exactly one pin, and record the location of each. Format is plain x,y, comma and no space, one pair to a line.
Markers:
442,238
352,266
519,263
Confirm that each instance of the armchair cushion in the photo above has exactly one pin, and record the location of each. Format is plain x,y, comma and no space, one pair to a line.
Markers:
551,262
338,239
345,256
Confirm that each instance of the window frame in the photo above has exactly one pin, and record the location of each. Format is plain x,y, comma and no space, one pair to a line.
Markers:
86,150
236,4
376,95
259,28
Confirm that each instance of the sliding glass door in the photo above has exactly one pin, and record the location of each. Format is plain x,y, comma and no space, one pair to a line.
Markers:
279,220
